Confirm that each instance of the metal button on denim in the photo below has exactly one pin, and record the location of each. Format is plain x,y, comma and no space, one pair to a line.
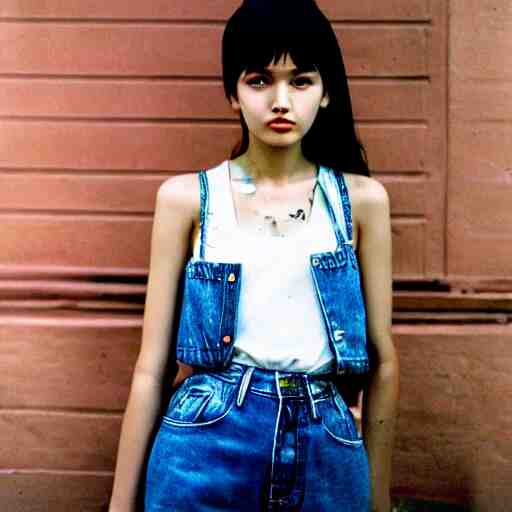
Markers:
338,334
226,339
231,278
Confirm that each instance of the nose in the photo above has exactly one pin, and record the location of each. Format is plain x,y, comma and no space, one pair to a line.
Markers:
281,101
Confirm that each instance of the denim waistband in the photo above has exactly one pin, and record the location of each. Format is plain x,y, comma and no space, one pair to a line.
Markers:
276,383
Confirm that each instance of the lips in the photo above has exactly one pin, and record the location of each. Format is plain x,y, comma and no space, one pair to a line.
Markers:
280,122
281,128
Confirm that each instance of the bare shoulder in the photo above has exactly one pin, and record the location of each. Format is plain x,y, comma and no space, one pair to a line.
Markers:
366,194
369,201
182,192
182,188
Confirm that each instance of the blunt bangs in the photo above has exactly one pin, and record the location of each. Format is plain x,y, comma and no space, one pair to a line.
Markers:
261,32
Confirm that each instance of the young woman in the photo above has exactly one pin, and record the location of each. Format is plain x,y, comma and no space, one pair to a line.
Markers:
270,286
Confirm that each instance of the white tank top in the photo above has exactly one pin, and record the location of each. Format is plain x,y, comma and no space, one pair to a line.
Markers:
280,324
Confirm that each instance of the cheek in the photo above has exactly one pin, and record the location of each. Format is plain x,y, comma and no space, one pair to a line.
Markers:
253,110
309,114
308,107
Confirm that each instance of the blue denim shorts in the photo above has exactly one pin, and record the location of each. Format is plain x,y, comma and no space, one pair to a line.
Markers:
249,439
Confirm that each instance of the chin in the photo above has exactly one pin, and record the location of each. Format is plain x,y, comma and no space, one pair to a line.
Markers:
279,145
280,140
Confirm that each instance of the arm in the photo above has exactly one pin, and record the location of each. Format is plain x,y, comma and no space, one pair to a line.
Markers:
380,401
172,223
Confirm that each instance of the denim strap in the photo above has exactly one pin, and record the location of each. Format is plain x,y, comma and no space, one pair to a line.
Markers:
203,211
326,179
345,202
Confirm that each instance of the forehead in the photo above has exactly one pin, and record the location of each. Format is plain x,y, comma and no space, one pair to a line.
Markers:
285,65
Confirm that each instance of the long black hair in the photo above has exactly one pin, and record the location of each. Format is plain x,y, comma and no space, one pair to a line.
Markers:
261,31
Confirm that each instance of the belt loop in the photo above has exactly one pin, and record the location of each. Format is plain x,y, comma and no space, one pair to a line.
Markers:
310,394
244,385
278,386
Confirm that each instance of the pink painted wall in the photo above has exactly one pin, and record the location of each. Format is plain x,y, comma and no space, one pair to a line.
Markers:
479,228
102,101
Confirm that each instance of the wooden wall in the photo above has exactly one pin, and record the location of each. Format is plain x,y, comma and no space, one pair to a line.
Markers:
99,105
479,228
102,101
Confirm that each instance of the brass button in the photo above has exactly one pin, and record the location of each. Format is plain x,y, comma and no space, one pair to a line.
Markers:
226,339
231,277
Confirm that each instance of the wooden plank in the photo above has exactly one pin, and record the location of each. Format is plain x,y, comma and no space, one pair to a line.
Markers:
389,100
69,293
413,10
501,284
451,301
408,239
94,244
172,146
59,440
68,191
99,49
407,196
410,10
437,317
59,359
395,148
55,491
382,100
436,142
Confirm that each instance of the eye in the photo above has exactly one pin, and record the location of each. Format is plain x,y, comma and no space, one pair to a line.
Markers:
256,80
304,79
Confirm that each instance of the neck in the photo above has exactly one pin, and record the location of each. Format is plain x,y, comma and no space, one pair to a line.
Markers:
275,165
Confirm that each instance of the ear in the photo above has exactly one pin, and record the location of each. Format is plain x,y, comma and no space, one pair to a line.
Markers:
325,101
235,105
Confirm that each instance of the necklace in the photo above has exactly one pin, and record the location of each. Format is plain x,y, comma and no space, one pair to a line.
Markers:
278,226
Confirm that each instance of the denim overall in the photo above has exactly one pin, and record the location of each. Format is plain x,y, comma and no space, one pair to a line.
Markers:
242,438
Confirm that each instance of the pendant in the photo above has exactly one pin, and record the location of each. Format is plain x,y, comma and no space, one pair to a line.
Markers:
247,187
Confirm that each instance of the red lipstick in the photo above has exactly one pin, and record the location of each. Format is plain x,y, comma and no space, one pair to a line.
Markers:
280,124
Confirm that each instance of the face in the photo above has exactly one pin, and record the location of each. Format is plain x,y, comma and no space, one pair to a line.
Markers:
280,90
